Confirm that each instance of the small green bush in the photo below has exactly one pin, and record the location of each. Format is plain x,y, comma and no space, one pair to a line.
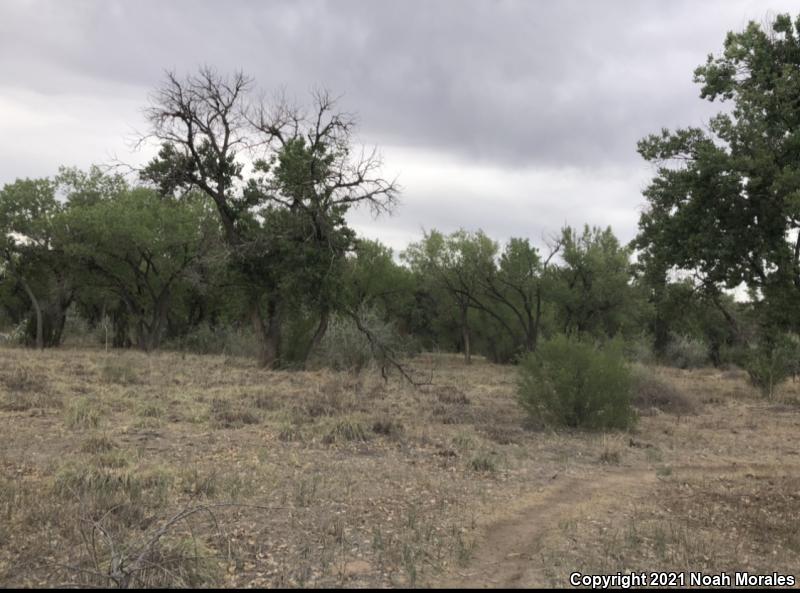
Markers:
577,384
772,362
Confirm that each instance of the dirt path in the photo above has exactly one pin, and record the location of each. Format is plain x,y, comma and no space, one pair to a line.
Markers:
509,552
507,555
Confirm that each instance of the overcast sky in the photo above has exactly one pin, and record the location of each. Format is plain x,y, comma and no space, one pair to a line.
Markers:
511,116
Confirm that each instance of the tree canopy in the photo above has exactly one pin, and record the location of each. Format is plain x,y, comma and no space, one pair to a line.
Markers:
725,201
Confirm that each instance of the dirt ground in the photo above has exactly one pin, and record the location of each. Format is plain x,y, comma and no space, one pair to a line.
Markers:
178,470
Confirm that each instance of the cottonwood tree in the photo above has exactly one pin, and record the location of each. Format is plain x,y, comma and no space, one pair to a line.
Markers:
32,239
520,283
456,265
506,291
279,178
725,201
593,291
372,280
139,247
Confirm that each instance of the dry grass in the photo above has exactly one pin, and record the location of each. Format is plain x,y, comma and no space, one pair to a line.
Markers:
653,394
329,479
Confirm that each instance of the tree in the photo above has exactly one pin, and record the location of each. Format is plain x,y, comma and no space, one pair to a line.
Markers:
725,201
455,264
139,247
84,188
593,290
519,284
373,280
305,177
32,237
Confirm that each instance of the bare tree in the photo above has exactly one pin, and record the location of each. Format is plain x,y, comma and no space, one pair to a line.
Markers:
257,159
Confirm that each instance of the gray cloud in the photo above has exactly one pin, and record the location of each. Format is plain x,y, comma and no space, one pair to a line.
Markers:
528,93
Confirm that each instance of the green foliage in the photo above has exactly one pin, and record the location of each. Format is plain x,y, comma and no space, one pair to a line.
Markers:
453,268
32,240
639,349
138,246
773,361
577,384
345,347
283,218
725,202
225,253
592,290
685,352
226,339
372,279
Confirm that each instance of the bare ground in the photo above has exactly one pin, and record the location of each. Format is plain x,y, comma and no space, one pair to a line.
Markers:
328,479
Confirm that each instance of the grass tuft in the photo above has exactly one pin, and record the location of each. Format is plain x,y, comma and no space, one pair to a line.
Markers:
82,413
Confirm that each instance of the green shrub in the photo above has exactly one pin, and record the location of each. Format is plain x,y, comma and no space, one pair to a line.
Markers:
685,352
640,349
207,339
345,347
772,362
577,384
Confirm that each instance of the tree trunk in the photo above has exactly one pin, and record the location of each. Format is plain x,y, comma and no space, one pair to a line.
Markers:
160,320
537,320
269,333
120,328
38,309
465,335
316,339
55,318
